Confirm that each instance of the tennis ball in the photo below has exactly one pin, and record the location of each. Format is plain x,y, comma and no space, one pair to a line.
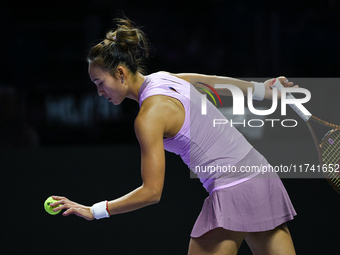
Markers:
49,208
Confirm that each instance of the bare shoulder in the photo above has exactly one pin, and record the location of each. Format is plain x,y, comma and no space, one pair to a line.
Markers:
151,113
152,106
161,114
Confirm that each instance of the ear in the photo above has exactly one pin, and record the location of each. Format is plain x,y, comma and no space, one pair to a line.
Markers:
121,72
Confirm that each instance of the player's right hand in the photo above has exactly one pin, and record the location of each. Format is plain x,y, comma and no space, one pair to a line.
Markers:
73,208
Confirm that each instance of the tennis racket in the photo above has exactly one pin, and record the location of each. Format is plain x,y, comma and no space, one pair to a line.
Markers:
329,148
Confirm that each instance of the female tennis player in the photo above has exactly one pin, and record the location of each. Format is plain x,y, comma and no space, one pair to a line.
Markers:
241,206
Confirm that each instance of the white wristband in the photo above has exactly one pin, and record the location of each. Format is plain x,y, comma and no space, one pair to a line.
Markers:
100,210
259,91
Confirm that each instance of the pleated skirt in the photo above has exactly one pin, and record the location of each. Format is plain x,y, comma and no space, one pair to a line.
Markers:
258,204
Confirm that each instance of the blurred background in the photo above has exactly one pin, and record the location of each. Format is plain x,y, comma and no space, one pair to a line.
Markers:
58,137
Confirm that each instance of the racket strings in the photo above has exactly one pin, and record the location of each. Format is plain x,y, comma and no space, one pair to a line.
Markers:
331,155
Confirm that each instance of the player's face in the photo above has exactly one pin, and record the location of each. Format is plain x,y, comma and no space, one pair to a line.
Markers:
107,85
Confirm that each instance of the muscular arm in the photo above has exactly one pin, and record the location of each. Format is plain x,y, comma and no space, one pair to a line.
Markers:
211,80
159,116
149,129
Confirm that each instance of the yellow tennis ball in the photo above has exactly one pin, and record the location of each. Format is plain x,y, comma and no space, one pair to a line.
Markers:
49,208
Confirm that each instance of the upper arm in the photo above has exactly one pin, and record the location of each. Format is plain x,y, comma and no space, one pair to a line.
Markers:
211,80
149,131
193,78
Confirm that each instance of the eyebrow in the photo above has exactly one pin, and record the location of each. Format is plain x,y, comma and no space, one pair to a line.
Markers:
96,79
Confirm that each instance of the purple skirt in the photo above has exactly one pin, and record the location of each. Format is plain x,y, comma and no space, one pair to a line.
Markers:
258,204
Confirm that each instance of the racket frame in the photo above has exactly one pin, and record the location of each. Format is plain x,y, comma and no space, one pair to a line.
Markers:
277,84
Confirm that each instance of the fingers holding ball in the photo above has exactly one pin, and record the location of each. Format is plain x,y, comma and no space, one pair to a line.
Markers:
49,208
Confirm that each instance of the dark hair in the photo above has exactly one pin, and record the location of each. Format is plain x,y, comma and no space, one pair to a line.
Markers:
125,45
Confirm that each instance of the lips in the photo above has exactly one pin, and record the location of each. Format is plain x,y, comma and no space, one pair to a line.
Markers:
109,99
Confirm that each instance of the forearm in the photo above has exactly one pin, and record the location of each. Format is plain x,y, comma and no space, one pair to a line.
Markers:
212,80
136,199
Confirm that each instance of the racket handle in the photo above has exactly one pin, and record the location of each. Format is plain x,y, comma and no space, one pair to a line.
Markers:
277,84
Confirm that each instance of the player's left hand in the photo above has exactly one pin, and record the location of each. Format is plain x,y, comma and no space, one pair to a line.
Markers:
284,81
72,208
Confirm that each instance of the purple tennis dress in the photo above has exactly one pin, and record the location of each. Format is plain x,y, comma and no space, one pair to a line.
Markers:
238,200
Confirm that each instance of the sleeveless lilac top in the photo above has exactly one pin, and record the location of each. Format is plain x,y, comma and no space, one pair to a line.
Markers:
199,144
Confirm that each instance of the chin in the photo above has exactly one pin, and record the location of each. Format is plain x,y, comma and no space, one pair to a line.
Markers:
116,102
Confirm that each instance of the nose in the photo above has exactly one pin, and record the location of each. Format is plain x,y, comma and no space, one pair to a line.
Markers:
101,93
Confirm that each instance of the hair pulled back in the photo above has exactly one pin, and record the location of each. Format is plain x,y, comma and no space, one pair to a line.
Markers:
125,45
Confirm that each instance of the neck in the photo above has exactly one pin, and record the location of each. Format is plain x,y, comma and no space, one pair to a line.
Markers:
136,82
